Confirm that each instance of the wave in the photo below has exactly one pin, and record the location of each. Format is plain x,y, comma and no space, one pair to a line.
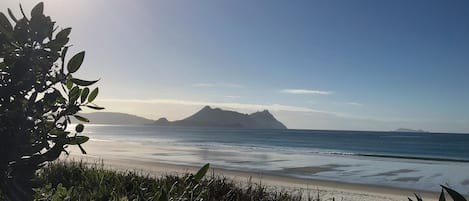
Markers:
423,158
403,136
320,152
415,158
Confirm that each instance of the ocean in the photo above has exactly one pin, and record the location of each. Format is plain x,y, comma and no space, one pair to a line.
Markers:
420,161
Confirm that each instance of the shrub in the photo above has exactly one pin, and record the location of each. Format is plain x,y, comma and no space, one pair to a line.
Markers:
39,95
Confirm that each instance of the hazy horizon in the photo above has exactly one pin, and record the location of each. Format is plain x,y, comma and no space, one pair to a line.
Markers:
190,113
339,65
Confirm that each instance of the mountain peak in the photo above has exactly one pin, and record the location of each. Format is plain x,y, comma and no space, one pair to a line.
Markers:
265,114
162,121
207,107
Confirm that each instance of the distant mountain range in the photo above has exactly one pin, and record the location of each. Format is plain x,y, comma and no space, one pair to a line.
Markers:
206,117
216,117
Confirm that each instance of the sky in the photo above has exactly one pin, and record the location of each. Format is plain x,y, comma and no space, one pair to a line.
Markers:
341,64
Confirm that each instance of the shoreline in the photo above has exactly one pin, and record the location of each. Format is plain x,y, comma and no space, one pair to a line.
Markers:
248,152
325,188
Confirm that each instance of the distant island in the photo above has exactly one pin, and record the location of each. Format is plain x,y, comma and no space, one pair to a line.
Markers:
206,117
216,117
407,130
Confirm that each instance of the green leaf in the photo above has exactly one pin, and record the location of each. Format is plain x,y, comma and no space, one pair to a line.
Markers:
61,100
77,140
74,90
79,128
93,95
95,107
64,33
84,94
81,149
80,118
22,12
59,132
442,196
74,94
37,10
455,195
69,84
201,173
5,24
84,83
75,62
59,42
33,98
12,16
62,56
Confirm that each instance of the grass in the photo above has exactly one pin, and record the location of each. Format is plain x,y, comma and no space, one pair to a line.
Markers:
79,181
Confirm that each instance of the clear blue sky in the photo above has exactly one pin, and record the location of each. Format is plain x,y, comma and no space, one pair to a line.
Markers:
372,65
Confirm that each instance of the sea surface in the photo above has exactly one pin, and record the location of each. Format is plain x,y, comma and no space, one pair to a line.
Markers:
420,161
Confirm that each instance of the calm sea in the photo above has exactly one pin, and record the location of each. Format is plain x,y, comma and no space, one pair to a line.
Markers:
412,160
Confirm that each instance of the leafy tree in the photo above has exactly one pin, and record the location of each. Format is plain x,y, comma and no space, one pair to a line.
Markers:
38,96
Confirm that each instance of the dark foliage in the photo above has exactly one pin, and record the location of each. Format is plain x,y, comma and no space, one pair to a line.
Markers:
452,193
78,181
38,96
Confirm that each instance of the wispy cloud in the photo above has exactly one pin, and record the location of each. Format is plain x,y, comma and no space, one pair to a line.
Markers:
231,85
233,97
306,92
354,104
220,85
203,85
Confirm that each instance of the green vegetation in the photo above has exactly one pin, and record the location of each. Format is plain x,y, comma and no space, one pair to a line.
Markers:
39,95
452,193
78,181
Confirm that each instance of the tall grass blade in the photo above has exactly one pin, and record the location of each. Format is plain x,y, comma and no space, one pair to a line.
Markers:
442,196
201,173
455,195
163,195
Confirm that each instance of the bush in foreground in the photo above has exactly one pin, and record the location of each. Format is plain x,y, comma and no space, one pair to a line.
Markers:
39,93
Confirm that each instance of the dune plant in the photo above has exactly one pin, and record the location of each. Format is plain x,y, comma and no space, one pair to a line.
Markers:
39,94
452,193
80,181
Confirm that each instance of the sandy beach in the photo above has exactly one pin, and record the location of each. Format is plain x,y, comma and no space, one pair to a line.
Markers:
325,189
